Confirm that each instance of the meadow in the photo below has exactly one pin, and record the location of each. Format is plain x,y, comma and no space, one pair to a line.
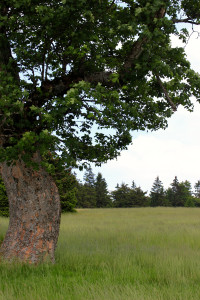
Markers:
122,254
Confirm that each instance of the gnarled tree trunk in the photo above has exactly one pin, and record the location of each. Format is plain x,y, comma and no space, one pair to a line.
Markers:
34,205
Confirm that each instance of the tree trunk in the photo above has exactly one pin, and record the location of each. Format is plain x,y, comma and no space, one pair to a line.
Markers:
34,205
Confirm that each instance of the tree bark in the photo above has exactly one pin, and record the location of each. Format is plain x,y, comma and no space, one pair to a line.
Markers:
34,206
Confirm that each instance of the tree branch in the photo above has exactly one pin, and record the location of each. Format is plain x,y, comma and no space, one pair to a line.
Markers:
186,20
59,86
137,49
169,100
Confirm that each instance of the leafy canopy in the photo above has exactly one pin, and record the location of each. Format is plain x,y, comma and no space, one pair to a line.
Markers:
76,77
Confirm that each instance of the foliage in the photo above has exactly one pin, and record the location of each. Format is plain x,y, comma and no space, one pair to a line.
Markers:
71,71
121,196
124,196
4,205
180,193
197,189
66,183
102,196
157,194
86,194
196,202
89,177
93,193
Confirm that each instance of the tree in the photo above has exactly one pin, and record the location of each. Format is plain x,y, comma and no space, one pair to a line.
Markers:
124,196
121,196
102,197
180,193
89,177
186,194
138,197
157,194
86,193
173,193
66,183
4,205
197,189
68,68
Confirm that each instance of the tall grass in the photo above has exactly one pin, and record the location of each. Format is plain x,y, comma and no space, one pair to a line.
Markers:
137,254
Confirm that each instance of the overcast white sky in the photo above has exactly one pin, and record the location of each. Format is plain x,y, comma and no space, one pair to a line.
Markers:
164,153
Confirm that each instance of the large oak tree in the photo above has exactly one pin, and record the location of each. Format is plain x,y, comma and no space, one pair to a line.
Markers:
76,77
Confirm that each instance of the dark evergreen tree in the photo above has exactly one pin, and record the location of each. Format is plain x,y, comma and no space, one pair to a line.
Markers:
124,196
197,189
89,177
138,197
196,198
86,193
185,192
102,196
4,205
121,196
157,194
86,196
66,183
180,193
174,193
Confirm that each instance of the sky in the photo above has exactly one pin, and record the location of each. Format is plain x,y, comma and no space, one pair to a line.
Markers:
167,153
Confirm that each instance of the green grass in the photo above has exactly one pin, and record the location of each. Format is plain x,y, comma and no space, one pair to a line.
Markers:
122,254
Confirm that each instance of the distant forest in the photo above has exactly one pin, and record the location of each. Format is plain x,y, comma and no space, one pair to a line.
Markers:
93,193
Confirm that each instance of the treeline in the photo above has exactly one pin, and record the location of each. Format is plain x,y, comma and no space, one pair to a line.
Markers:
93,193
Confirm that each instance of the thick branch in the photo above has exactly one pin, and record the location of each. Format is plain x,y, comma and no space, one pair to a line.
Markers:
169,100
186,20
59,86
137,47
135,53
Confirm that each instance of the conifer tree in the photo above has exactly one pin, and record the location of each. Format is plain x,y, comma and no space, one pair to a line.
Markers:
121,196
102,196
89,177
180,193
157,194
86,194
138,196
124,196
197,189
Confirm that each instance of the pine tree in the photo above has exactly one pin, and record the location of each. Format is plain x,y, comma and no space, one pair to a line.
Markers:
124,196
197,189
86,193
102,197
66,183
180,193
157,194
121,196
138,197
174,195
89,177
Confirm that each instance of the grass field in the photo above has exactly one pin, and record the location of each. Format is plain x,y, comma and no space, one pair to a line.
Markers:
136,254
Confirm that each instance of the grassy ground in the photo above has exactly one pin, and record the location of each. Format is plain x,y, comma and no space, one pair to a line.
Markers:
122,254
